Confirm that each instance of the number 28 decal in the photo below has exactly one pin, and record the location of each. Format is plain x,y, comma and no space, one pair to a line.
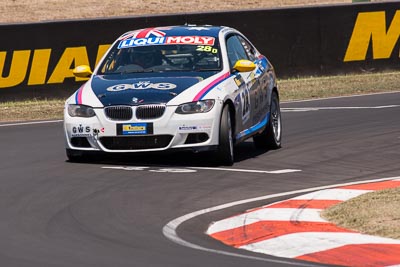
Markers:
245,99
207,48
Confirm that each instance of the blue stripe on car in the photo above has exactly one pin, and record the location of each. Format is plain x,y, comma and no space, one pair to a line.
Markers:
254,128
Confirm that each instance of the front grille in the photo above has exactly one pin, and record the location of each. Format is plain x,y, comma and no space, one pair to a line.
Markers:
149,111
136,142
119,113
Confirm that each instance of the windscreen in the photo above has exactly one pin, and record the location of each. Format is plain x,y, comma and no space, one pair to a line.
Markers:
161,58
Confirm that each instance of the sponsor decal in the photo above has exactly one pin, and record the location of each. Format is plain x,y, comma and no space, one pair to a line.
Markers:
145,33
245,104
251,79
136,100
194,128
187,128
370,30
81,131
239,80
237,101
189,40
32,67
261,64
207,48
141,86
243,98
134,128
97,131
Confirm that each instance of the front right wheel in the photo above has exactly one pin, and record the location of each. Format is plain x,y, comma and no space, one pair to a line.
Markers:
271,137
224,153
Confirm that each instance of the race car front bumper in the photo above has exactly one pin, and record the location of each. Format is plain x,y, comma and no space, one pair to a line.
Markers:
170,131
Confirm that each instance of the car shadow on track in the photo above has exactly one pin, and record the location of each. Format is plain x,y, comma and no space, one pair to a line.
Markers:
243,151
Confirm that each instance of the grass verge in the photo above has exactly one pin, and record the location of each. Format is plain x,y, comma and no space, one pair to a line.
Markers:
46,109
376,213
321,87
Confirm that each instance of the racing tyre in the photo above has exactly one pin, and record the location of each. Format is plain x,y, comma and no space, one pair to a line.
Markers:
271,137
224,152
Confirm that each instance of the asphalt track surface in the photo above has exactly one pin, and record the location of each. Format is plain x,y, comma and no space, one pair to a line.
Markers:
112,212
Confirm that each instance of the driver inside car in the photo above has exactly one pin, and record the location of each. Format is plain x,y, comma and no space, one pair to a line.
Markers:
146,57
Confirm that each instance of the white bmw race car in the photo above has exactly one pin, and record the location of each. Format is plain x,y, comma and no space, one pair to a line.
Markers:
179,87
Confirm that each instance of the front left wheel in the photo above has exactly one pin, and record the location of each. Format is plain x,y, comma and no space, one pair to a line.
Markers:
224,152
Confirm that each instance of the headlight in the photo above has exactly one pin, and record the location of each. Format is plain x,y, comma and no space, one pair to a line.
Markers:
195,107
80,111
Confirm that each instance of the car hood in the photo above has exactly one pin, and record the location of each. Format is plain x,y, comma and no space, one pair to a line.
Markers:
139,91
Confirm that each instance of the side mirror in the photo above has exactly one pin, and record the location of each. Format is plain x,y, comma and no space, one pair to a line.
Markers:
244,65
82,71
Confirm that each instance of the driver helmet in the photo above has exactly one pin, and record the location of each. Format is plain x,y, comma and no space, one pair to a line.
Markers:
146,56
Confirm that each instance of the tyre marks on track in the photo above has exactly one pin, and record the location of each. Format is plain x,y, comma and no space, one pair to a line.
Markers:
294,229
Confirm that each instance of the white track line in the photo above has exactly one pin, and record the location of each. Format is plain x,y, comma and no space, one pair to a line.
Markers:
335,108
334,194
337,97
28,123
246,170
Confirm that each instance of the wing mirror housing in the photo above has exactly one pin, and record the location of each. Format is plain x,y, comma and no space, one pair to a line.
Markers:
244,65
82,71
